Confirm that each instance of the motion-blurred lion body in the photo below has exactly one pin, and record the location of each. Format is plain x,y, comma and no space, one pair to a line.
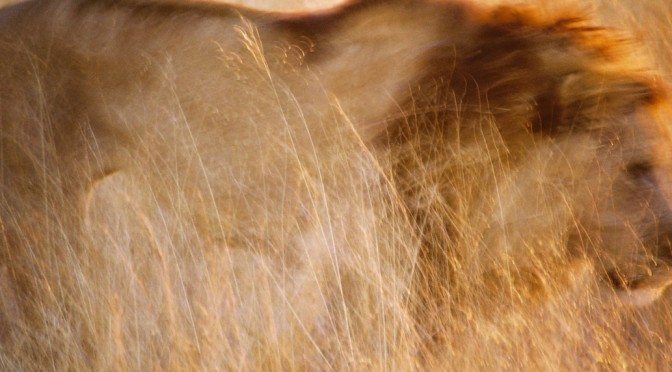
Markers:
497,143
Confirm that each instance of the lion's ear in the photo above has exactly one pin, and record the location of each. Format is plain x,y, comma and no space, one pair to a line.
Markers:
549,111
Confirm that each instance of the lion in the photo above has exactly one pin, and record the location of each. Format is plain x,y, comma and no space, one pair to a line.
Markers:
510,147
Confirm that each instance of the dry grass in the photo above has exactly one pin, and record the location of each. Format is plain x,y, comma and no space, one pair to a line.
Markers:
142,287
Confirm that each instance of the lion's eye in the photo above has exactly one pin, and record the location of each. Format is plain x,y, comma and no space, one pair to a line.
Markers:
640,169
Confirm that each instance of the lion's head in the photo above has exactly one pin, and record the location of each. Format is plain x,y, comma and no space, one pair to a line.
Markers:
535,144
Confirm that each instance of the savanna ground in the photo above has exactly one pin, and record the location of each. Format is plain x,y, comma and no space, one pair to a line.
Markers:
143,296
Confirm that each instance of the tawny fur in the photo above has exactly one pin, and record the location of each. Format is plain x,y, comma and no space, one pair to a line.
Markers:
493,132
